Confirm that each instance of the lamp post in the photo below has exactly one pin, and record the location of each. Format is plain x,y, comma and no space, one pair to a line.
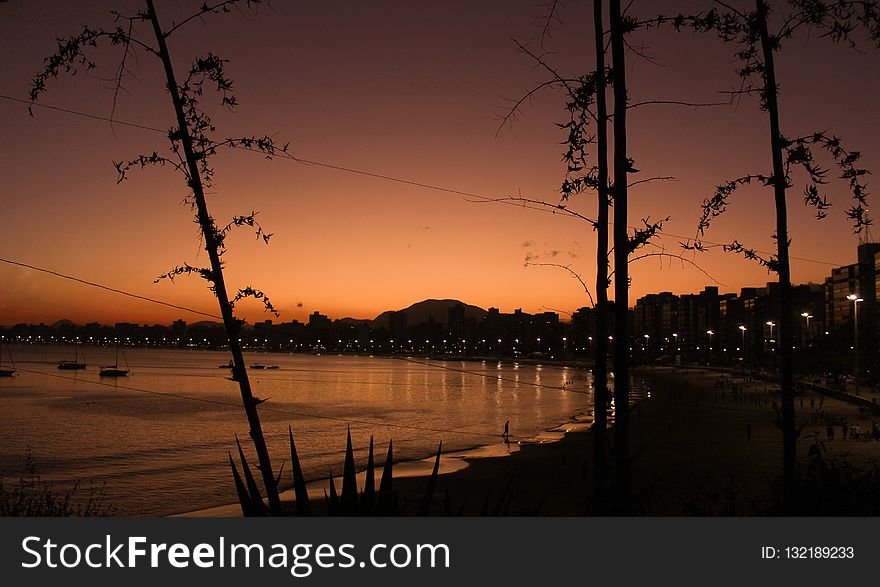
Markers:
771,324
743,331
807,316
855,299
710,333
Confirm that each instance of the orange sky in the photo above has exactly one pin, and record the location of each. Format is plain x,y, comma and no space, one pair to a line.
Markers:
410,90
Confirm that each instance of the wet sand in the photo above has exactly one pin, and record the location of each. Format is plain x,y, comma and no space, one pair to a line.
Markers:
699,431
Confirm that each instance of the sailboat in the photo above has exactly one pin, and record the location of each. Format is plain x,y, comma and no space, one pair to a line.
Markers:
74,364
5,371
114,370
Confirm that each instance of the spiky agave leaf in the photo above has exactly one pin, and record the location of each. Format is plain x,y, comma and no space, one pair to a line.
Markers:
425,509
303,507
349,481
334,499
447,504
368,498
503,503
484,510
244,498
253,489
384,501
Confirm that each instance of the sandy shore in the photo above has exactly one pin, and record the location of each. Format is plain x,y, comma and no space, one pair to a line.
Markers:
699,430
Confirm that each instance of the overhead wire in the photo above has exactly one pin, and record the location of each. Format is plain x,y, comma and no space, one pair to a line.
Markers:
108,288
385,177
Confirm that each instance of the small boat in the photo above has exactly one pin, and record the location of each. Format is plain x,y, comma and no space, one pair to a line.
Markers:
258,366
228,365
6,371
114,370
71,365
271,366
68,365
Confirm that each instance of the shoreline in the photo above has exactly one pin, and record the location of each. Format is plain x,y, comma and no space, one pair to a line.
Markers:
700,434
415,470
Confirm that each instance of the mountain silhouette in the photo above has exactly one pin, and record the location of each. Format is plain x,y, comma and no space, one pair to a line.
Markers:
438,310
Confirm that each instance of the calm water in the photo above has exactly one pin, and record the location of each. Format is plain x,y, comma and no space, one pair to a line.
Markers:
159,437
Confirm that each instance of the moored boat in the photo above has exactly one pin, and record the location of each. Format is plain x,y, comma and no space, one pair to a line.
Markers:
114,370
75,364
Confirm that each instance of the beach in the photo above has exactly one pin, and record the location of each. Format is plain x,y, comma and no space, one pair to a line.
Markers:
701,434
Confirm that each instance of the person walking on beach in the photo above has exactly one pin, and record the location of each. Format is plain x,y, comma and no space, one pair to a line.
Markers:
506,434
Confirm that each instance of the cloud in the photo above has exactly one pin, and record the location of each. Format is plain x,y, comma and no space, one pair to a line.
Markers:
528,244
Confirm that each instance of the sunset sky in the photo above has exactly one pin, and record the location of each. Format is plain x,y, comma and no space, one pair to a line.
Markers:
412,90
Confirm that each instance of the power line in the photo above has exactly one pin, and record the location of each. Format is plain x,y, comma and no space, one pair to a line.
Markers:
84,114
108,288
383,177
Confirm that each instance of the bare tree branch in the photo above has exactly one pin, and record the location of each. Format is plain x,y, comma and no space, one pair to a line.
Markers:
680,257
676,103
652,179
570,271
550,18
222,6
543,63
512,113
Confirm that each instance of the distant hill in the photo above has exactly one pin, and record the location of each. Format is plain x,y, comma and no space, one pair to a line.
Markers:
65,323
354,321
423,311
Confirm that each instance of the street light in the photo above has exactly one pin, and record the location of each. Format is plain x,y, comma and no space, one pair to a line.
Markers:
855,299
771,324
807,316
743,330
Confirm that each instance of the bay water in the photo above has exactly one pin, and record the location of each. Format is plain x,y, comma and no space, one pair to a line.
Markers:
157,440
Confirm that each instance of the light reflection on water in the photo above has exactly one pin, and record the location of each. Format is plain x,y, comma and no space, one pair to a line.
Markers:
160,454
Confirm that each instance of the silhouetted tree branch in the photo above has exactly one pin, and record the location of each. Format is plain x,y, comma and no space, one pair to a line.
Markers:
755,50
191,140
571,271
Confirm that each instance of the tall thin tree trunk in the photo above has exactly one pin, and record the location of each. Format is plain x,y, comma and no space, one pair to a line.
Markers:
621,268
600,364
209,232
789,435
